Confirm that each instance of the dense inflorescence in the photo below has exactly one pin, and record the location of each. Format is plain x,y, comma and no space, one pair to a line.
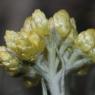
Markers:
24,47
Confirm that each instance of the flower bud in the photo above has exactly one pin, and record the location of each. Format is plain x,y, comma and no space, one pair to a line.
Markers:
27,27
37,23
86,40
8,60
26,48
15,42
62,23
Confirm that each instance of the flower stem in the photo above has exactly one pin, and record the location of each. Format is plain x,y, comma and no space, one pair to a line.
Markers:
54,87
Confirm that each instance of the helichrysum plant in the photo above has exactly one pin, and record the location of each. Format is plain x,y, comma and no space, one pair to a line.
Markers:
47,50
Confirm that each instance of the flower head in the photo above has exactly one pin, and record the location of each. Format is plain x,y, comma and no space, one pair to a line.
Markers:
86,42
26,47
62,23
8,60
37,23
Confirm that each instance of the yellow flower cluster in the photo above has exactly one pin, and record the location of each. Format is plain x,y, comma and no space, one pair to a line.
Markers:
64,24
29,41
27,47
8,60
37,23
86,42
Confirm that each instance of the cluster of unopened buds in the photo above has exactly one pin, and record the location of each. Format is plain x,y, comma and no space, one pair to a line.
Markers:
47,50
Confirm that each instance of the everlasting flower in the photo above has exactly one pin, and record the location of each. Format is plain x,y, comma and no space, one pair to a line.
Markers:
62,23
40,23
26,48
29,42
86,42
47,50
27,27
8,60
37,23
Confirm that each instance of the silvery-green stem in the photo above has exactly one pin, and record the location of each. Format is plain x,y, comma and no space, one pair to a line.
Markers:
59,62
54,87
52,81
44,88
